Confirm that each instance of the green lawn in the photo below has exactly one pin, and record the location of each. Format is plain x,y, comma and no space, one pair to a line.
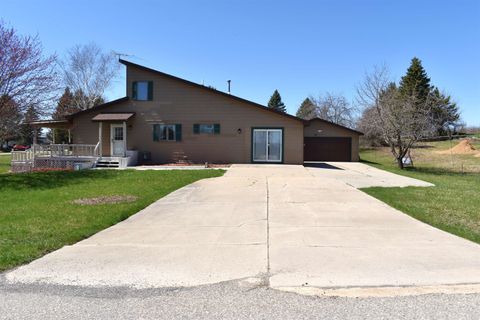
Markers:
37,214
4,163
452,205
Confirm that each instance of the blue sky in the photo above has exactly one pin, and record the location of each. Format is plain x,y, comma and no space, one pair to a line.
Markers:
300,48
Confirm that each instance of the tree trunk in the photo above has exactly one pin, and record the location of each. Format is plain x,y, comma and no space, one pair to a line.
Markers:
400,162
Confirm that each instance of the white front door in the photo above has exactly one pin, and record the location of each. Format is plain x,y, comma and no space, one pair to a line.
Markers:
117,146
267,145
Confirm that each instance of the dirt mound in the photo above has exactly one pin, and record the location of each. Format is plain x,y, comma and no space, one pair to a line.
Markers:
463,147
104,200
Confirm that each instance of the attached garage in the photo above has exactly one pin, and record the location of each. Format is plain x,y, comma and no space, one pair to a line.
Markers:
327,141
327,149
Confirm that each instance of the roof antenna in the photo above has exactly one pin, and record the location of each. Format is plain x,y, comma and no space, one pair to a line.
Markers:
122,55
228,81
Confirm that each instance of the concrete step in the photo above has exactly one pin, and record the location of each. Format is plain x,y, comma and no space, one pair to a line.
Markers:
107,164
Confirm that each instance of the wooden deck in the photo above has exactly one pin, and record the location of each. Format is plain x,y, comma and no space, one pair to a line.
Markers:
56,156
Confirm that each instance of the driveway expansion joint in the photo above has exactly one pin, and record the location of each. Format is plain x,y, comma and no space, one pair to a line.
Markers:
268,229
302,226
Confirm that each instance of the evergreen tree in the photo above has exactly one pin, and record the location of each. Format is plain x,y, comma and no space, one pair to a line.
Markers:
445,113
65,105
27,131
70,103
276,103
415,83
307,110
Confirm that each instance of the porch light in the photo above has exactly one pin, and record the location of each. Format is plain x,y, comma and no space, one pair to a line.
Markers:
239,130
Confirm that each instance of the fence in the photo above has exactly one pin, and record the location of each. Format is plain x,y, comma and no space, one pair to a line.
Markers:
62,156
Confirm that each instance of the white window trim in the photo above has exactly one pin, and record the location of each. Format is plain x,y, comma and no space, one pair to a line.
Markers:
212,125
161,125
266,130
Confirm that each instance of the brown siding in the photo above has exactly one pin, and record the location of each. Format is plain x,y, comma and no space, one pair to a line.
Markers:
330,130
175,102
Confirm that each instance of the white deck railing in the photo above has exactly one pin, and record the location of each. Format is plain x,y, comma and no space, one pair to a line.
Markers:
22,156
57,150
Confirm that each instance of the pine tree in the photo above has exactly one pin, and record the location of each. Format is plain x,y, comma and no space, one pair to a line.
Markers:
276,103
415,83
70,103
65,106
306,110
27,132
445,113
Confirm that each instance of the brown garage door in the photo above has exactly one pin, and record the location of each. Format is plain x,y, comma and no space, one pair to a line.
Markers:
327,149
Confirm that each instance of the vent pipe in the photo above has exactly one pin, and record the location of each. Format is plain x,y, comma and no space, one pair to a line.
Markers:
228,81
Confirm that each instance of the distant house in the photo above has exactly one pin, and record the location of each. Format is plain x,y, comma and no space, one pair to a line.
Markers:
165,119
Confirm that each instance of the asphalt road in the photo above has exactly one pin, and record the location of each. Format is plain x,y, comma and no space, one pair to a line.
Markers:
227,300
96,296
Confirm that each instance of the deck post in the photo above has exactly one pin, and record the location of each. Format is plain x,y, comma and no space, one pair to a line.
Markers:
100,140
69,137
124,138
35,131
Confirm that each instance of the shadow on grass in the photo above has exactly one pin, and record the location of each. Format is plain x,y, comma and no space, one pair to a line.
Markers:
420,170
425,146
439,171
50,180
370,162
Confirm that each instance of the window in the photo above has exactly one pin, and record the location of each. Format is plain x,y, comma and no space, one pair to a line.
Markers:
206,128
167,132
142,90
118,133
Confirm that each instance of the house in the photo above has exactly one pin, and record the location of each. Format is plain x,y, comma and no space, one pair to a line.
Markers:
164,119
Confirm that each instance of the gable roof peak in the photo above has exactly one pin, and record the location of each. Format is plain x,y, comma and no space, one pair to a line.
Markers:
334,124
225,94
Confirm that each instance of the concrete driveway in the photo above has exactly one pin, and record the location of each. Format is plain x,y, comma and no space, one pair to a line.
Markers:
291,227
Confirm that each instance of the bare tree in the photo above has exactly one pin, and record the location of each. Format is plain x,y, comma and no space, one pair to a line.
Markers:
402,120
27,77
334,108
372,135
89,71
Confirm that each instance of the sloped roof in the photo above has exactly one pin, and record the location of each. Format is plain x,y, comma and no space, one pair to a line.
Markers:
228,95
99,107
119,116
334,124
60,124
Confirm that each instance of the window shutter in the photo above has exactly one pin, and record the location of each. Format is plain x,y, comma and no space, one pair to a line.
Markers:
216,128
150,90
156,129
178,132
134,90
196,128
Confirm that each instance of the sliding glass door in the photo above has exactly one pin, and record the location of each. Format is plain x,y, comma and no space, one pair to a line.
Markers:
267,145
